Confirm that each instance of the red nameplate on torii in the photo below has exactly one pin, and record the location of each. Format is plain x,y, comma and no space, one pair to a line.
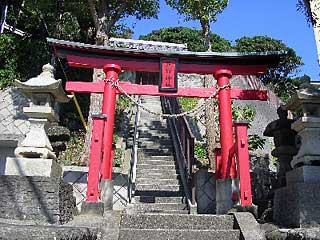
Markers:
168,79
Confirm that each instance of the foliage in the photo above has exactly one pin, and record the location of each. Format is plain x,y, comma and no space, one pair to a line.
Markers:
191,37
121,31
8,60
196,10
205,11
281,77
200,151
23,57
304,7
255,142
72,156
188,104
105,14
117,157
248,113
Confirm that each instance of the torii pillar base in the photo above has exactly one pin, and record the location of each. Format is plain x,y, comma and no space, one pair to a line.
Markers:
106,187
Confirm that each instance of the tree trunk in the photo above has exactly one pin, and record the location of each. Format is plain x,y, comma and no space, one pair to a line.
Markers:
212,126
211,114
98,74
315,15
206,34
103,25
95,107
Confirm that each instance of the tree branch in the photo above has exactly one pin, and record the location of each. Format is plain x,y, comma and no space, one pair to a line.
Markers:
94,13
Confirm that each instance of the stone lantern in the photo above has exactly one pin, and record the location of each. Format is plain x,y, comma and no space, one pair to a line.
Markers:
44,91
32,187
297,204
285,143
306,102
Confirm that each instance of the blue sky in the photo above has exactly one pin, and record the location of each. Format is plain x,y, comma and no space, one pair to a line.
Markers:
275,18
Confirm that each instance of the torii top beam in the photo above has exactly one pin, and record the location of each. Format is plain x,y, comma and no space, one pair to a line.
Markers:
93,56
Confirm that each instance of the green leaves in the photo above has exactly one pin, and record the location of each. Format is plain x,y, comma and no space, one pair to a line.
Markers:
248,113
192,37
243,113
199,9
188,104
280,77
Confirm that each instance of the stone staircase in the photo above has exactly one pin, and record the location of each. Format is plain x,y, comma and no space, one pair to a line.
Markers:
158,188
159,210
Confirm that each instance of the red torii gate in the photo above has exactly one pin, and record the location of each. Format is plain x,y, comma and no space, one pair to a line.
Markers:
221,65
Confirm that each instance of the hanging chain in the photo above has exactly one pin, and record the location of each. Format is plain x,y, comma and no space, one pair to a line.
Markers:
191,112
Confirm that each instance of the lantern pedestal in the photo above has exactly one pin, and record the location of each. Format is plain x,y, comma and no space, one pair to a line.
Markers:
297,204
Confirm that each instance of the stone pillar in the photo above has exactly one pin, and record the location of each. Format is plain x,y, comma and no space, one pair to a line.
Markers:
285,144
297,204
31,183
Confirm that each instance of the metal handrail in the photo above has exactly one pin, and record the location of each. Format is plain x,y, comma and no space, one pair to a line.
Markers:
183,140
134,155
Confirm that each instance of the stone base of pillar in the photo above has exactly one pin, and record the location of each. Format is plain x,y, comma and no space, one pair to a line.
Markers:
106,187
223,196
30,167
92,208
297,204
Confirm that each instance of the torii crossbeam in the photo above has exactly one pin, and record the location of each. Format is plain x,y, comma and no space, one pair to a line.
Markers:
113,60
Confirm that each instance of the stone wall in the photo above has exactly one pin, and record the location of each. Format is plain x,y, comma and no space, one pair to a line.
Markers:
16,231
12,119
13,122
38,199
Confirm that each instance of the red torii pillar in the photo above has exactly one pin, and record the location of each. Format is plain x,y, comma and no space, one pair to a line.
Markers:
101,142
226,172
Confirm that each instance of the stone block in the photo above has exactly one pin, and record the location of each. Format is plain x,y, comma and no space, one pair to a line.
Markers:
31,167
297,205
307,174
205,191
36,199
250,229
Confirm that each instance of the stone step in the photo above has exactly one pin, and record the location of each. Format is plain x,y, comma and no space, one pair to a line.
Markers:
158,188
153,152
171,221
153,172
157,193
172,208
156,167
153,135
157,175
155,128
171,181
170,234
164,142
156,149
156,162
162,158
152,199
155,145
